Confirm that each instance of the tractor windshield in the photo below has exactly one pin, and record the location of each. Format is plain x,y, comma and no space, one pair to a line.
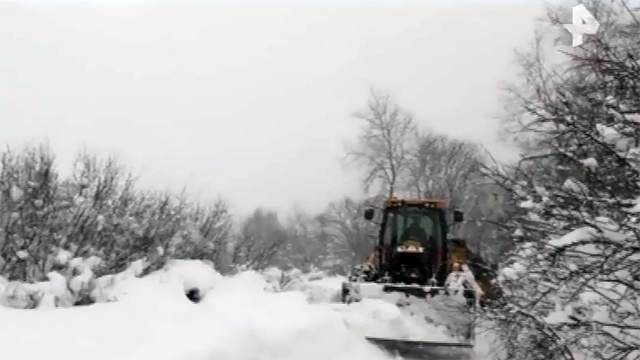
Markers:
413,239
413,224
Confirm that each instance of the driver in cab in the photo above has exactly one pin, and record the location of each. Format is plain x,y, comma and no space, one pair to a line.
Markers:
414,233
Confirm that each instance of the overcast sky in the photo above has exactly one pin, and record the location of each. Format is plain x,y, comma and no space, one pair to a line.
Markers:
252,102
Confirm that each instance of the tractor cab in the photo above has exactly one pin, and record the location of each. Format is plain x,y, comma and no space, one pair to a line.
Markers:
412,244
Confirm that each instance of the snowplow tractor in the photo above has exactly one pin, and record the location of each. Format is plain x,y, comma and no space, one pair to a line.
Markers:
417,267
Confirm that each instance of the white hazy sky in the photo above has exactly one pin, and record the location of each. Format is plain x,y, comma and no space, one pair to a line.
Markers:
248,100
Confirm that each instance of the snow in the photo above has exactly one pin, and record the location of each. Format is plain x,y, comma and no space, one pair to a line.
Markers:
606,229
512,272
606,223
636,207
527,204
575,186
15,193
100,222
56,290
239,317
319,290
577,235
82,265
590,163
63,257
379,318
509,273
608,133
193,274
558,316
80,282
633,117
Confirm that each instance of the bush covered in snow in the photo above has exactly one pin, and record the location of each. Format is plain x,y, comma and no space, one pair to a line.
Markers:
571,287
77,284
96,211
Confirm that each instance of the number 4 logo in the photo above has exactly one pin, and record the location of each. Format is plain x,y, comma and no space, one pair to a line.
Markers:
584,23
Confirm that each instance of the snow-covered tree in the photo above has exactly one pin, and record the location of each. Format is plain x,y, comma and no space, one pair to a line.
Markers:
29,212
571,286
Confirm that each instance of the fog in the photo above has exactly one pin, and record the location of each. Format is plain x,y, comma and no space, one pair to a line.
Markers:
250,101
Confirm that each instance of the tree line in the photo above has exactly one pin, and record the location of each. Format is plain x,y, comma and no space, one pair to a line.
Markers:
98,209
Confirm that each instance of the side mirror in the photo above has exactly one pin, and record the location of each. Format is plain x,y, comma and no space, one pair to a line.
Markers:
369,213
458,216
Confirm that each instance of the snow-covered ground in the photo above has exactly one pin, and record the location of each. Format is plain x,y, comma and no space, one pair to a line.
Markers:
246,316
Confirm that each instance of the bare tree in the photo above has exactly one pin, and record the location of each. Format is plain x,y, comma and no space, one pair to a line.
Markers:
351,238
306,247
446,168
442,167
383,146
260,241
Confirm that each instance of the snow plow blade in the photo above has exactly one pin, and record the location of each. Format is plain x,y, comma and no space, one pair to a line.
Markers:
427,350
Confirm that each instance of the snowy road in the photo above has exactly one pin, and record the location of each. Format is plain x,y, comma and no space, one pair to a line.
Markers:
239,318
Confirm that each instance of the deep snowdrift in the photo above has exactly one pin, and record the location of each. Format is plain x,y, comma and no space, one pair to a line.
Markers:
239,317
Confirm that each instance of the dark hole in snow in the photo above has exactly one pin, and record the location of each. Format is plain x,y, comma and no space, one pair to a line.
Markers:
194,295
83,300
